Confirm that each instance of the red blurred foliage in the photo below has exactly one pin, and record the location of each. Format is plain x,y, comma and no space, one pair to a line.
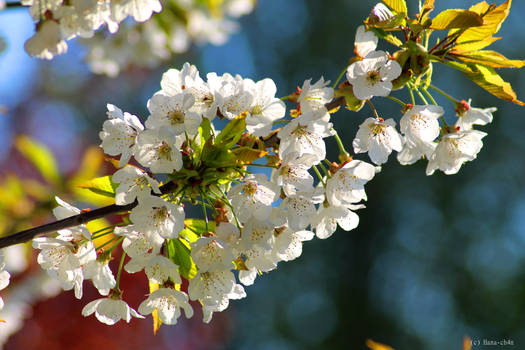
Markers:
57,324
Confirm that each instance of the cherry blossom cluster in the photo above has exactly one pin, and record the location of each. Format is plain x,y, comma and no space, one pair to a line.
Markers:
202,146
446,147
146,43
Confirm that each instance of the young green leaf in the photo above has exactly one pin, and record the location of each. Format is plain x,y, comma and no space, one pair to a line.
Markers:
179,252
488,79
231,133
100,185
40,156
456,18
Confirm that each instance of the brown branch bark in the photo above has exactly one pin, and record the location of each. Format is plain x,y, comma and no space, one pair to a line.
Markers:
82,218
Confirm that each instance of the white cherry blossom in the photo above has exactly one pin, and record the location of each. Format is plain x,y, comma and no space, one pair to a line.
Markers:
313,97
289,244
454,149
47,41
134,183
119,133
373,75
265,109
304,135
211,288
468,115
101,275
154,214
293,173
365,41
328,217
378,137
158,149
211,254
140,10
139,244
346,186
168,302
158,268
420,126
173,112
110,310
253,197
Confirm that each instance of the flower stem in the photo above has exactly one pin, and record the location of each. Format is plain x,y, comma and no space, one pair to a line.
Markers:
420,95
120,271
403,104
430,96
373,108
319,175
204,210
412,99
339,77
342,149
444,94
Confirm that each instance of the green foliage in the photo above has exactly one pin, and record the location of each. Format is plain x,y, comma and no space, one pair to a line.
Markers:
100,185
40,156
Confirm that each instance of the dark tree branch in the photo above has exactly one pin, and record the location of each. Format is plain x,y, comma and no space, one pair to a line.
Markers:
13,4
82,218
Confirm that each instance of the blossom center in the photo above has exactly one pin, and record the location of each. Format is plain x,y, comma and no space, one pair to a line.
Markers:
373,77
377,129
257,110
250,189
299,131
176,117
164,151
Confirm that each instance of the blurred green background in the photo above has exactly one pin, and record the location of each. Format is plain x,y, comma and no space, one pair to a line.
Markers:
433,259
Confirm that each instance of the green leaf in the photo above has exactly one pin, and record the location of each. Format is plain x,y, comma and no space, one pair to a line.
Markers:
40,156
492,20
473,45
488,79
392,39
246,155
400,6
195,228
456,18
205,131
232,132
179,251
490,58
100,185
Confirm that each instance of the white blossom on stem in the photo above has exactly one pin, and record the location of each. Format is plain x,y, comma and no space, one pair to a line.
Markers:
313,97
365,41
346,186
155,215
454,149
265,109
378,137
119,133
173,112
158,149
168,302
211,254
468,115
373,75
110,310
134,183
